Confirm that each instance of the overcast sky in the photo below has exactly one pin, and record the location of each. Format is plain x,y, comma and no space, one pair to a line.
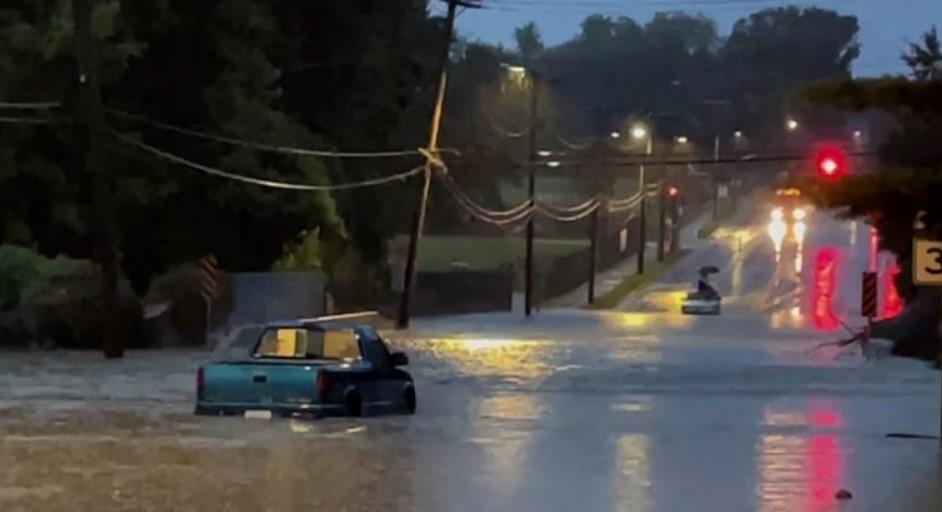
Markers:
886,25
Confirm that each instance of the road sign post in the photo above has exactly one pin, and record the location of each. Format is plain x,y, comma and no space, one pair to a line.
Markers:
209,287
927,271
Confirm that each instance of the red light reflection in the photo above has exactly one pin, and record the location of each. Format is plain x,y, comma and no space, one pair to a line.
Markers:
826,467
825,275
874,248
892,304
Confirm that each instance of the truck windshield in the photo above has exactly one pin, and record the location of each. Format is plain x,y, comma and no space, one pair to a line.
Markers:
302,343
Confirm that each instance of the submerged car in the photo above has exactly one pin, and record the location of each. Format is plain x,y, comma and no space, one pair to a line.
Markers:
697,303
307,367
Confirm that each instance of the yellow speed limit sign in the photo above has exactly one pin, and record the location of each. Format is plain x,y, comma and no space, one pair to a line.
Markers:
927,262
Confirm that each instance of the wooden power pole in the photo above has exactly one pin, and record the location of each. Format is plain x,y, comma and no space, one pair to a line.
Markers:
92,120
419,220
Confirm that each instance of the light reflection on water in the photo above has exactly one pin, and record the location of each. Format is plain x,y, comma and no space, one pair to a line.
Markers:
800,473
632,477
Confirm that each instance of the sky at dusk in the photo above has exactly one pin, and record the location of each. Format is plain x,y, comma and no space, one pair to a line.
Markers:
886,25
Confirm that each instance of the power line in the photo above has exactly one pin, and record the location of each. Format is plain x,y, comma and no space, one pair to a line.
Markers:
258,181
264,147
43,105
25,120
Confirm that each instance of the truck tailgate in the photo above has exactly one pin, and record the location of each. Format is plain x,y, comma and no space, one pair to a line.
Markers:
260,384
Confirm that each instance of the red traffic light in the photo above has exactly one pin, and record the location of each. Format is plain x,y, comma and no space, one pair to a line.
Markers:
831,162
673,191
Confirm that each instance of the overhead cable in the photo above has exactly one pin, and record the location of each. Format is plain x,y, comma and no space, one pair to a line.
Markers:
263,182
568,218
507,133
25,120
563,210
453,187
264,147
39,105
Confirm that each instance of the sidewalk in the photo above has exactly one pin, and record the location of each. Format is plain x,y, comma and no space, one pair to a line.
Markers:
607,280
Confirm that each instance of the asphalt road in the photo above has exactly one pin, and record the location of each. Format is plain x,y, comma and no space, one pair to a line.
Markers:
641,409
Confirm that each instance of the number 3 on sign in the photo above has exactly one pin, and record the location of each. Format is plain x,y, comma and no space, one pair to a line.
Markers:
927,262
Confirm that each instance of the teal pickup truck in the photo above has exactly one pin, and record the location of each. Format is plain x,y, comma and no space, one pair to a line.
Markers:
307,367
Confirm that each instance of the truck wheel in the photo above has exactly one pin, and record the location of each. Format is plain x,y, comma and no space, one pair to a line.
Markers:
353,405
410,401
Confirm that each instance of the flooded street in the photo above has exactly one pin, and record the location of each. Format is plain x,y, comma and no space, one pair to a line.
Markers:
634,410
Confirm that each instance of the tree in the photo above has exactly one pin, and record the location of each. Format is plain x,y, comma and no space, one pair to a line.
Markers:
905,187
172,69
529,41
925,60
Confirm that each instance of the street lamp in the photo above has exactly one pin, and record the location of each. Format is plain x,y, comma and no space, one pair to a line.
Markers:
544,153
639,132
615,135
737,134
682,139
552,164
791,124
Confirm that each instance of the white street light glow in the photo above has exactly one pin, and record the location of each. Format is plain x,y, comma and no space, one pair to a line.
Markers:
737,134
615,135
639,132
792,125
552,163
682,140
544,153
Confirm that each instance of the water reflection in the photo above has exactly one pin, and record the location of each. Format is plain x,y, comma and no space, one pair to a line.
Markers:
799,230
777,231
525,359
506,450
800,473
892,302
825,276
633,474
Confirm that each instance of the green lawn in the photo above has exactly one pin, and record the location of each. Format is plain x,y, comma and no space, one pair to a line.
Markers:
437,253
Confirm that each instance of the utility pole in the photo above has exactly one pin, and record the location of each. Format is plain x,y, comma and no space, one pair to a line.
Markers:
92,120
594,244
662,220
419,221
531,190
716,186
643,217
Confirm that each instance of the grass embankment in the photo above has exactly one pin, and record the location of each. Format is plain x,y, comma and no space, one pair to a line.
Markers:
654,270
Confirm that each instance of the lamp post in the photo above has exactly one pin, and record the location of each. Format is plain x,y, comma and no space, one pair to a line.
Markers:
641,133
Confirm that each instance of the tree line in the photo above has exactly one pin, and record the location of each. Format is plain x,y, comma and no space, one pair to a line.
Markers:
355,75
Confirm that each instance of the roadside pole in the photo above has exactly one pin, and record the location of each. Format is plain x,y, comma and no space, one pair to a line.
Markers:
593,253
642,214
209,288
531,191
419,220
662,221
92,122
716,186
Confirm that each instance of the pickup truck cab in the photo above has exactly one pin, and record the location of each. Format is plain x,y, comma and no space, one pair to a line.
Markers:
309,368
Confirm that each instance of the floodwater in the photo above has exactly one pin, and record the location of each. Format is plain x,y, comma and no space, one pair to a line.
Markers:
640,409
